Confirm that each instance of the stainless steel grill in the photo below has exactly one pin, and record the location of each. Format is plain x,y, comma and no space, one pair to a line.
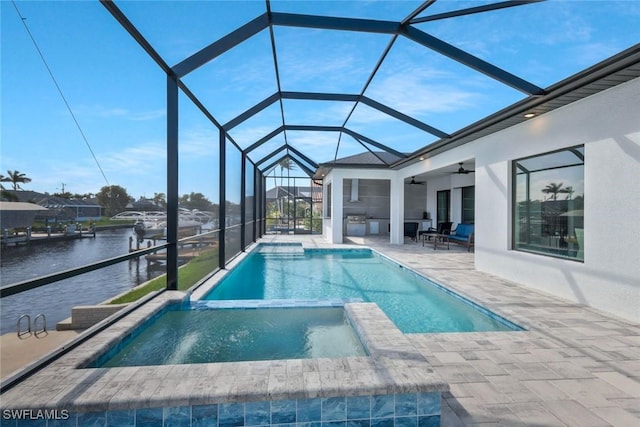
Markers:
356,219
356,225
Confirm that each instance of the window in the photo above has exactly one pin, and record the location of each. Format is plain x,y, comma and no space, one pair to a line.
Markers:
548,204
468,205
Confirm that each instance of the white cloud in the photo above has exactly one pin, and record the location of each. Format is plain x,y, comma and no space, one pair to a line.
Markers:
77,176
590,53
138,160
118,112
319,146
247,135
198,143
148,115
416,93
100,111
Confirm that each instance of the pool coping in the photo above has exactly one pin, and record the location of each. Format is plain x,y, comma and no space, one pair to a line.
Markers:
394,366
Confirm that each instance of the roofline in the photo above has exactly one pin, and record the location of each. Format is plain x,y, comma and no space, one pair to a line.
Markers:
332,165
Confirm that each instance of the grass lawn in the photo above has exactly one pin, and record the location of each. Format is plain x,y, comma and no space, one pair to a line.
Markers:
188,275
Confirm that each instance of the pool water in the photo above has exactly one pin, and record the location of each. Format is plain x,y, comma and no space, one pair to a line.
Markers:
413,303
198,334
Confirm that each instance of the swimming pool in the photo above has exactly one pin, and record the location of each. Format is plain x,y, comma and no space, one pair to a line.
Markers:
201,333
413,303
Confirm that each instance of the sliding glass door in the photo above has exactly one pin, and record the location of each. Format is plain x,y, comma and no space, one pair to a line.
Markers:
443,206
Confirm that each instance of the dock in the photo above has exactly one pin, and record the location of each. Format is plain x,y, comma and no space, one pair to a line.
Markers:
196,244
162,257
34,238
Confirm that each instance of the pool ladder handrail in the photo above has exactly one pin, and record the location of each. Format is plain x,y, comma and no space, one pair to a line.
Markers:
28,331
35,331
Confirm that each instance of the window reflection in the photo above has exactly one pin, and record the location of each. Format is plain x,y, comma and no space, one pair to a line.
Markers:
549,203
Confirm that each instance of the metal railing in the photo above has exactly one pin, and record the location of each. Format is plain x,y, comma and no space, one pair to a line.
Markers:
27,285
35,330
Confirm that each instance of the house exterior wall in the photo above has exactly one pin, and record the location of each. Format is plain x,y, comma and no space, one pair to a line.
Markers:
373,198
608,124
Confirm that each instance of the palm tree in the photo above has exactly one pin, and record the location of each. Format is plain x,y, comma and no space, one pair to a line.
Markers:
160,199
569,191
553,189
15,178
4,194
287,164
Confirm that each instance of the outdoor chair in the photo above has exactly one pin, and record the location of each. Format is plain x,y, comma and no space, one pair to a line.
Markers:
463,235
411,230
443,228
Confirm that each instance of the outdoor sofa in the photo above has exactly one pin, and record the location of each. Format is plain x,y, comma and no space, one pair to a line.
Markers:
463,235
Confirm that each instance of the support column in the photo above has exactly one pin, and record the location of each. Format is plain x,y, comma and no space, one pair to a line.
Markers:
172,182
397,211
336,210
243,201
223,200
257,190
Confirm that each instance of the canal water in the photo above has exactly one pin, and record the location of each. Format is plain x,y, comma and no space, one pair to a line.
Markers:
55,300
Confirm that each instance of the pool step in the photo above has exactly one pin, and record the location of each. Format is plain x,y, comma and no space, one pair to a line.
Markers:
282,251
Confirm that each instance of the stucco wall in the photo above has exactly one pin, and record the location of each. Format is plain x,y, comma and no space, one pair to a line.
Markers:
373,198
608,124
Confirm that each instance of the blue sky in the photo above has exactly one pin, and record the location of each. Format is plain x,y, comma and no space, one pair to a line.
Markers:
117,93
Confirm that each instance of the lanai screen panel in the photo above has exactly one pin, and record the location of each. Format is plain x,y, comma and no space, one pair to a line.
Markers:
387,130
237,79
257,126
316,113
179,29
542,42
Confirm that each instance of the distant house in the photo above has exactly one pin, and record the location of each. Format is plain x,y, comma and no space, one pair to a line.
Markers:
18,214
61,209
74,209
294,192
144,204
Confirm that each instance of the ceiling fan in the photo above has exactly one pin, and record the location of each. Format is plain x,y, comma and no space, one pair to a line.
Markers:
414,182
462,171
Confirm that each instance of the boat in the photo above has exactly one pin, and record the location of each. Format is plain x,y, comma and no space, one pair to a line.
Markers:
154,226
128,216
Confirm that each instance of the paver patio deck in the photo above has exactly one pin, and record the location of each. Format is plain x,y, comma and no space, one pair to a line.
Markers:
573,366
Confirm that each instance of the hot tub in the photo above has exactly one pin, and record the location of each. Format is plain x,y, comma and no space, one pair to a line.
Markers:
394,384
200,333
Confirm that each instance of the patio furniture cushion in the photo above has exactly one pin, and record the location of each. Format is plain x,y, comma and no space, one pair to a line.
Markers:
463,234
